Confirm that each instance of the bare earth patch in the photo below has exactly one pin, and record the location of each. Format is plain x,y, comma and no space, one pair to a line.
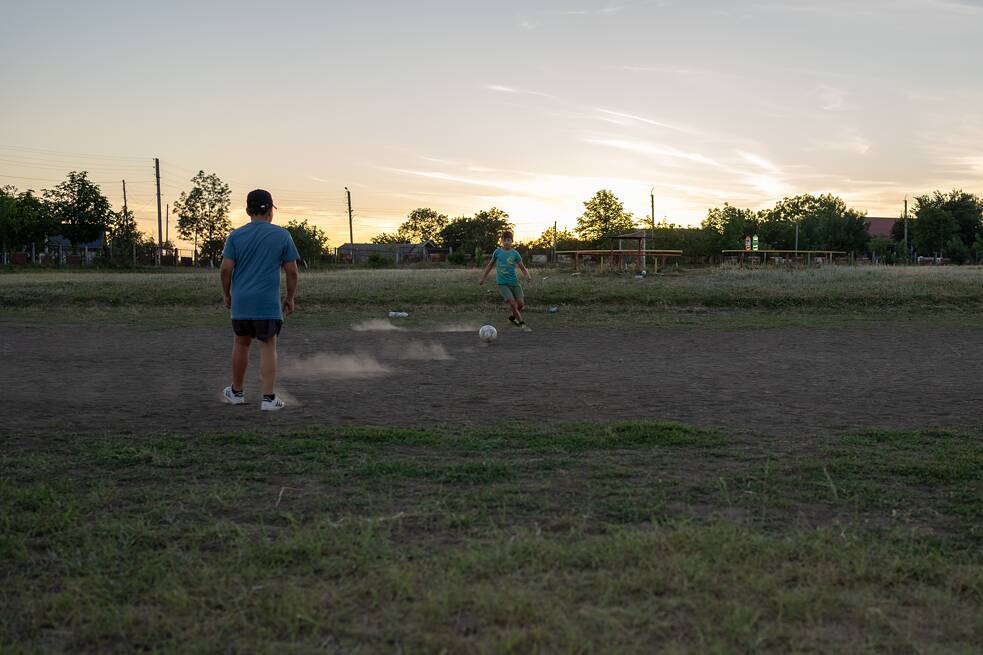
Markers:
105,378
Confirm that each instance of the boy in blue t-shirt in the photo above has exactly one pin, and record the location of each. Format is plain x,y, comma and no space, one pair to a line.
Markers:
505,260
251,263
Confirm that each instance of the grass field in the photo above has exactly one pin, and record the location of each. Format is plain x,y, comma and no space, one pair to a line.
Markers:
543,537
831,288
575,538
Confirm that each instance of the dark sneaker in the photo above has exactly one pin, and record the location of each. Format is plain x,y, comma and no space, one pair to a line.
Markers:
514,321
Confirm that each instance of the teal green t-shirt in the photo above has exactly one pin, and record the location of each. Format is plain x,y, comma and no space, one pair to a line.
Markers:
505,263
258,249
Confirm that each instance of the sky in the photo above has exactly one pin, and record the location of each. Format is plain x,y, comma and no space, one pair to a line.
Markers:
528,106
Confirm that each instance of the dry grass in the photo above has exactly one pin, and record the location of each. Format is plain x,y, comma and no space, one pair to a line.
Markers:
833,288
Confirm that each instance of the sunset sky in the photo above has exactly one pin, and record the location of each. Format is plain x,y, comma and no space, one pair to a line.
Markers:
527,106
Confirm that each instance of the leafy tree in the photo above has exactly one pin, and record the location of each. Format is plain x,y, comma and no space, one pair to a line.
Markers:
479,232
956,250
9,219
731,225
964,208
824,222
694,242
80,207
422,224
932,229
880,247
122,231
388,237
37,222
565,240
203,212
311,241
603,215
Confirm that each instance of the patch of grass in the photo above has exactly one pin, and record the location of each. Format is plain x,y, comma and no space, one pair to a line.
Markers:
850,289
581,537
930,480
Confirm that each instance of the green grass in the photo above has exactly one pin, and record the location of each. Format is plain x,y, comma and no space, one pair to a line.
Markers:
721,299
627,537
839,288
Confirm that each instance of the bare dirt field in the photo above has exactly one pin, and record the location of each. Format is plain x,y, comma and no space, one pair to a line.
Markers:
95,379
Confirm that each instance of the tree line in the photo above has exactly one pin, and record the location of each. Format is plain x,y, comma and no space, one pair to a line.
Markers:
939,224
79,211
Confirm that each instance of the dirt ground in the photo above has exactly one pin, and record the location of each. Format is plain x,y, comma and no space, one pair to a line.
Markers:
99,379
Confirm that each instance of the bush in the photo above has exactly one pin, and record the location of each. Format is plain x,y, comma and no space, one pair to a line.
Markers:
956,250
379,261
458,258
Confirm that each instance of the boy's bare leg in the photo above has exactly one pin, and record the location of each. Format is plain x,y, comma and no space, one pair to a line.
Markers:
267,359
240,361
516,309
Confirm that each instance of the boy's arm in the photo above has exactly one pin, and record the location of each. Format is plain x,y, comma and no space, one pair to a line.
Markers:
488,268
290,268
525,271
225,272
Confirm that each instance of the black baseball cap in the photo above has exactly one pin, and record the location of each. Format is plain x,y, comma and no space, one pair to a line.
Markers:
259,201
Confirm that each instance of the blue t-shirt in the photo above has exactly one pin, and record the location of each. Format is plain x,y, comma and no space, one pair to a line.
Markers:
258,249
505,262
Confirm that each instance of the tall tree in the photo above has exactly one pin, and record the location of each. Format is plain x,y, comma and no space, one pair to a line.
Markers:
421,225
965,208
37,222
9,219
603,215
311,241
122,232
388,237
80,207
825,222
479,232
731,225
932,229
203,213
564,238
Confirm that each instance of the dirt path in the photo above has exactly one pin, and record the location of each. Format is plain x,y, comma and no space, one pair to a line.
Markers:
96,379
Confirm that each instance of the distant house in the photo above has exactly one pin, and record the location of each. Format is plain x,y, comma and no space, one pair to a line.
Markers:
878,226
82,253
397,253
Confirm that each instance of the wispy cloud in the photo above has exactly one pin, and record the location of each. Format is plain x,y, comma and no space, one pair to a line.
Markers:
758,161
531,20
501,88
656,150
638,119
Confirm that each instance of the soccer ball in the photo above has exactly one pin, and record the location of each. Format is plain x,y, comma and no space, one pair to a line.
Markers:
487,333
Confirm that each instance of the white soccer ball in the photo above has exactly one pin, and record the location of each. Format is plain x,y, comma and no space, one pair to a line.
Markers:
487,333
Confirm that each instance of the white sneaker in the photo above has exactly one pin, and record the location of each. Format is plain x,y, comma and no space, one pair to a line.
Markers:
274,405
231,398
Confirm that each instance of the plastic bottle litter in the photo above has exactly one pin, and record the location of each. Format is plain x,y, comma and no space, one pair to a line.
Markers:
398,314
553,309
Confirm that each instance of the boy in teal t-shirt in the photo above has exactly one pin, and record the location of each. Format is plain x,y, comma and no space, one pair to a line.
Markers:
505,260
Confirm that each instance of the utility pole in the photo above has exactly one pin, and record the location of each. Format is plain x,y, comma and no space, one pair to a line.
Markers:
167,224
124,199
555,238
796,238
160,231
907,253
652,198
351,233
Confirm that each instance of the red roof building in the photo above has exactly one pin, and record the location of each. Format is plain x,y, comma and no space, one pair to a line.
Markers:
879,226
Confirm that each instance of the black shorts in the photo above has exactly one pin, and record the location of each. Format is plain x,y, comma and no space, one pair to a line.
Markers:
262,330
